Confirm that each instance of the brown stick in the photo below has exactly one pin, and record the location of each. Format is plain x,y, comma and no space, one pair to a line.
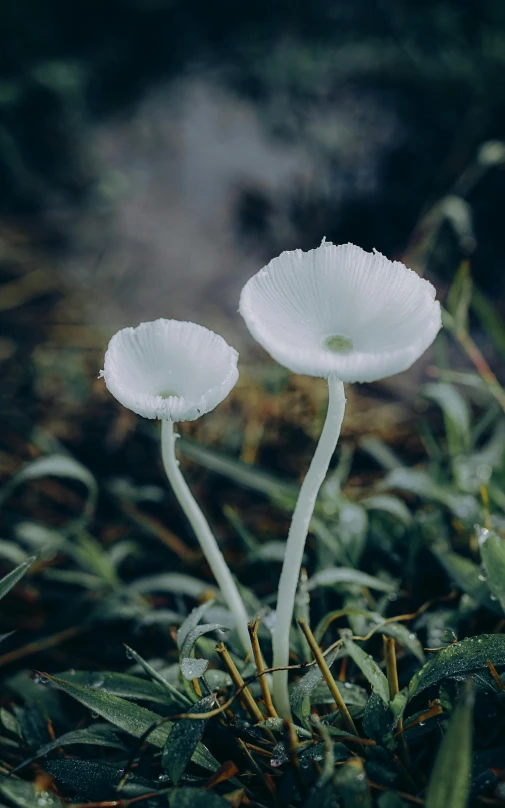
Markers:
260,667
327,676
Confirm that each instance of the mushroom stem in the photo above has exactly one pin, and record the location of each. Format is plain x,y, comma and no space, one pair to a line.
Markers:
204,535
296,541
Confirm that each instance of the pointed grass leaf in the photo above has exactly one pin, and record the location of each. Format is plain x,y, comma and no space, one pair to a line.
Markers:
379,722
492,553
198,632
406,638
466,575
346,575
191,622
10,722
456,414
421,484
26,795
176,696
129,717
368,668
120,684
302,690
95,735
12,552
94,779
174,582
191,797
460,293
12,577
449,784
387,503
459,660
353,695
183,740
490,320
56,466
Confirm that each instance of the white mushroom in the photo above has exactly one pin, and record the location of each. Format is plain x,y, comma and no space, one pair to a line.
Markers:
177,371
349,316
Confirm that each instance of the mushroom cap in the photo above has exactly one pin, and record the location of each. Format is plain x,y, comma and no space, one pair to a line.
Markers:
169,369
338,310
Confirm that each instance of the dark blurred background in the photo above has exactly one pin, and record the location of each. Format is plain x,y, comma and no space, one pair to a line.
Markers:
155,153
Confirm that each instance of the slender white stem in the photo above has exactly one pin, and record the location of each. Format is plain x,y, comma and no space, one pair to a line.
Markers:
296,541
204,535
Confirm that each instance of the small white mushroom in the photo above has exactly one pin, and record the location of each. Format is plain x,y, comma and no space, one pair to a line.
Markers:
349,316
177,371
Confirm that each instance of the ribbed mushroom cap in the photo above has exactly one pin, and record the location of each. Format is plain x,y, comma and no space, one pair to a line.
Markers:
169,369
338,310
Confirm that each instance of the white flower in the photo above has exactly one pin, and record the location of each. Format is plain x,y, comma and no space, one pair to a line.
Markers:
169,369
338,310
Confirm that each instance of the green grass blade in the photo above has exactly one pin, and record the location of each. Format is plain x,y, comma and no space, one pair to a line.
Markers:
450,779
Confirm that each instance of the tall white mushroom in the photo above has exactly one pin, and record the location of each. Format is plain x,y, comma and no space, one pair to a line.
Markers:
178,371
340,313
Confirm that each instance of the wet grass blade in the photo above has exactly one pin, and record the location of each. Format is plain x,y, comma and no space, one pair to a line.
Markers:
368,668
130,717
458,660
11,579
449,784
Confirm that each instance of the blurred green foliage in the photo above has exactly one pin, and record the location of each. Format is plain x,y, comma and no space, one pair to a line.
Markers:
436,68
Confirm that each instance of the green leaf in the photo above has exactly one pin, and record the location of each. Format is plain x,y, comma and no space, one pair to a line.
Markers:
466,575
130,717
301,691
120,684
351,785
459,660
12,552
353,695
25,795
198,632
456,414
490,320
92,779
176,696
346,575
492,553
10,722
369,668
379,722
192,668
195,798
96,735
387,503
11,579
191,622
183,740
174,582
449,784
460,294
422,485
406,638
56,466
